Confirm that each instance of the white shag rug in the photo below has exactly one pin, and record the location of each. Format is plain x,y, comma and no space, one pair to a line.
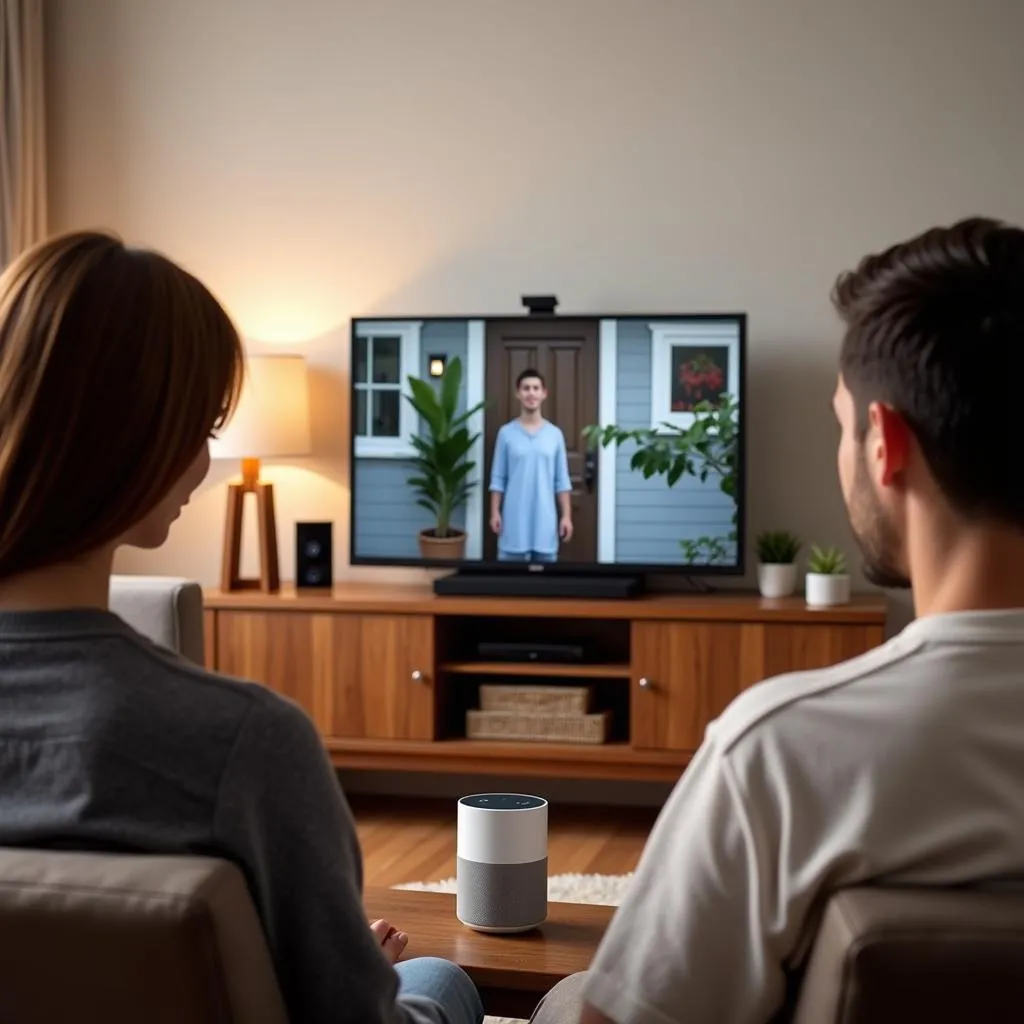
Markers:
606,890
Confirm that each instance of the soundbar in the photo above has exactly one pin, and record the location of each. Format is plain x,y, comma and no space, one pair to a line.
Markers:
474,584
509,651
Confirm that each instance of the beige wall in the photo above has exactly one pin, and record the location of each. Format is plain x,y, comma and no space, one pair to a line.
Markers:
315,160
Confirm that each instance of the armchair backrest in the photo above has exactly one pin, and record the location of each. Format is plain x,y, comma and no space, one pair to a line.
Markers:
889,956
123,938
166,609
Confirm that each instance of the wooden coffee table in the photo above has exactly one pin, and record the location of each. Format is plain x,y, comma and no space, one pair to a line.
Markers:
512,972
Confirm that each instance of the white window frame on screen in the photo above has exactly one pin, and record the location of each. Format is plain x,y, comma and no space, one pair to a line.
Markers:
408,333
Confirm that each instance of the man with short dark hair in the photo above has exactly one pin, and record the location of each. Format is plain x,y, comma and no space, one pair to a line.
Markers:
904,766
531,510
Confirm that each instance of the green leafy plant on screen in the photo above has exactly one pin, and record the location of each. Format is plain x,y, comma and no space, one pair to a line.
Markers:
442,464
709,446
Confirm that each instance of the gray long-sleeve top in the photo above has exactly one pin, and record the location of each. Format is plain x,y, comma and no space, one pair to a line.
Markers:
107,741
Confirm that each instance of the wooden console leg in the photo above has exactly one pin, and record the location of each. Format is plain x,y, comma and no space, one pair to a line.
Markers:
269,579
230,569
270,576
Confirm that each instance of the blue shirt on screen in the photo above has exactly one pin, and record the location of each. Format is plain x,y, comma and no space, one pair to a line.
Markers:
529,469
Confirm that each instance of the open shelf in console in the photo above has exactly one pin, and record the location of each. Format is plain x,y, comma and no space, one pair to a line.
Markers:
477,651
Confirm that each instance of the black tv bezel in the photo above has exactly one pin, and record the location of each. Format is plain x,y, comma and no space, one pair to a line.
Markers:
565,568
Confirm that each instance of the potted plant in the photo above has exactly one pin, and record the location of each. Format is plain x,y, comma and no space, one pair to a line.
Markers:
776,555
442,465
828,582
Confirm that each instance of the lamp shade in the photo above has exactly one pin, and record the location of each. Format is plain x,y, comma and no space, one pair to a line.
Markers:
272,418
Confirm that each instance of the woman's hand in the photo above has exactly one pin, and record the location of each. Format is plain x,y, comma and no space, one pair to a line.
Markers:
392,942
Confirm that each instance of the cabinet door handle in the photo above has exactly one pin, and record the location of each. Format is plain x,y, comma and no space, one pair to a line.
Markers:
644,683
417,676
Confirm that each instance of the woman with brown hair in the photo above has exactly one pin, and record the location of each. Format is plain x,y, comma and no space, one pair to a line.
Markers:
115,368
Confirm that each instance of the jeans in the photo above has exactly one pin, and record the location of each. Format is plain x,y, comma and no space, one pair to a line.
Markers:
526,556
442,983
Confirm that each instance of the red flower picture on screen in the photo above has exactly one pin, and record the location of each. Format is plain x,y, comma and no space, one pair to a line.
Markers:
699,374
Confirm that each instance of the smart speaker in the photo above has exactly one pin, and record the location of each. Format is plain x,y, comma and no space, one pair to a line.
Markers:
501,880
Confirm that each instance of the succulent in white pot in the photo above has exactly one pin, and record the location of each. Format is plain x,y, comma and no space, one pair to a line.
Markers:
776,556
828,582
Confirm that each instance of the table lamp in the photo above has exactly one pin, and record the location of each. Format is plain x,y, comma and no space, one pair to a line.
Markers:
271,421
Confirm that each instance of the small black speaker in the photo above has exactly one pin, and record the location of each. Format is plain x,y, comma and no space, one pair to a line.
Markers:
314,555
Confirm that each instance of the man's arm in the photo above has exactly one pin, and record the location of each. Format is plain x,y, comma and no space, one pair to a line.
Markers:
499,481
565,516
563,490
563,484
499,469
281,815
698,937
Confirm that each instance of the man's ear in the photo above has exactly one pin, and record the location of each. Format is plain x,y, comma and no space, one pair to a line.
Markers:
888,442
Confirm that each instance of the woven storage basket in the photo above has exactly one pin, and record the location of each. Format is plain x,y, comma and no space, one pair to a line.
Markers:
569,700
538,726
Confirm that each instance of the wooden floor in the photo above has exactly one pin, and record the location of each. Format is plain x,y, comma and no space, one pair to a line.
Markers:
414,841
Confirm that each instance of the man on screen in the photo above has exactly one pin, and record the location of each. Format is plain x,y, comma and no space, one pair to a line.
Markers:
530,487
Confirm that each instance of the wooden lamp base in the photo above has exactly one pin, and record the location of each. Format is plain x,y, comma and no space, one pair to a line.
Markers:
269,579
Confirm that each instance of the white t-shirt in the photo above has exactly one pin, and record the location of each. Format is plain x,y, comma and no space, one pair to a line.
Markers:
904,766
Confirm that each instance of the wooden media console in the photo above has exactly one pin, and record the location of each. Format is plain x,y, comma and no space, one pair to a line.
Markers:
388,672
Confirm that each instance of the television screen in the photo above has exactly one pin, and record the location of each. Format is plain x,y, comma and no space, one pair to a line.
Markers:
568,442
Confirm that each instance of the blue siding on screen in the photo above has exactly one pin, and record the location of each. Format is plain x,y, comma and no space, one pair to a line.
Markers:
446,338
385,514
650,517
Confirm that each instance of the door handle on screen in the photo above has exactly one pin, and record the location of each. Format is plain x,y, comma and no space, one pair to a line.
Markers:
644,683
416,676
589,470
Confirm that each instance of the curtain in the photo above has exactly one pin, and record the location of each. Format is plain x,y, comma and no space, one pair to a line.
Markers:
22,128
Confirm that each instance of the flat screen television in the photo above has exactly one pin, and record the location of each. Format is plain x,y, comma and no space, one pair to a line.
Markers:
668,376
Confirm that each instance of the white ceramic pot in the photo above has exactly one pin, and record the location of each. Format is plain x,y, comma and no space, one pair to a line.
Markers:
776,579
824,590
